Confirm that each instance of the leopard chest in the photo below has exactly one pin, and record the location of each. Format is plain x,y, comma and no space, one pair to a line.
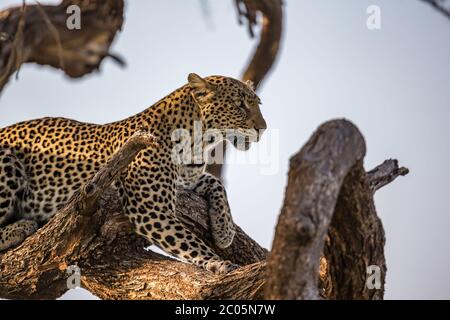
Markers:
190,174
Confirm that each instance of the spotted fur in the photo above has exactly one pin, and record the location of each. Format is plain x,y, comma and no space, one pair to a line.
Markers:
44,161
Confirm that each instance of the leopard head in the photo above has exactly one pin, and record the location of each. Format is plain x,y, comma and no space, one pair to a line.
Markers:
229,106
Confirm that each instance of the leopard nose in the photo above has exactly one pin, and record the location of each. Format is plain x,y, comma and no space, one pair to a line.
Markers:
261,126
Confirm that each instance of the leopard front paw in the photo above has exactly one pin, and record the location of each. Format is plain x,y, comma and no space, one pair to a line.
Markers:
223,239
28,227
220,266
222,228
14,234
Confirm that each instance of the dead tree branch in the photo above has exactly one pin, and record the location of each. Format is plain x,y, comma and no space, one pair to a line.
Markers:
328,192
93,234
440,6
316,175
266,52
385,173
39,33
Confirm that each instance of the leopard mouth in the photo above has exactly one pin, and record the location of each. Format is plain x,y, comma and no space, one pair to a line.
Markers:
242,140
241,143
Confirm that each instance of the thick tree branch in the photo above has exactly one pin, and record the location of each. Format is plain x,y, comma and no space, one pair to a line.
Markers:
104,245
271,30
39,263
39,33
191,210
355,241
328,193
356,236
315,178
328,223
266,52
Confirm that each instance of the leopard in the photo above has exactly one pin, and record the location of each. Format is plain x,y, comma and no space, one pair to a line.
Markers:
44,162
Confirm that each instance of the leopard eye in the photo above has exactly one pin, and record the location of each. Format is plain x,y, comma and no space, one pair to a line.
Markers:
241,105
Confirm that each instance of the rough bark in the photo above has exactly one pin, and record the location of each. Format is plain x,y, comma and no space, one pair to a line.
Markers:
93,233
38,33
327,192
385,173
356,236
316,175
328,222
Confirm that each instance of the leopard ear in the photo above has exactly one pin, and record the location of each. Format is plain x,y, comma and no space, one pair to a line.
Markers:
201,89
250,84
198,83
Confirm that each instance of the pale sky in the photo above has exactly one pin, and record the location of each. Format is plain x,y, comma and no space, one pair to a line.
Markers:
392,83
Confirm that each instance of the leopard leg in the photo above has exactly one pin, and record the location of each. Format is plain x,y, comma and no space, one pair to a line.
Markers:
151,208
15,233
12,185
222,225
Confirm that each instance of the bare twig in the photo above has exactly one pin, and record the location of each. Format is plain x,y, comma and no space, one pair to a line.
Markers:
439,6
